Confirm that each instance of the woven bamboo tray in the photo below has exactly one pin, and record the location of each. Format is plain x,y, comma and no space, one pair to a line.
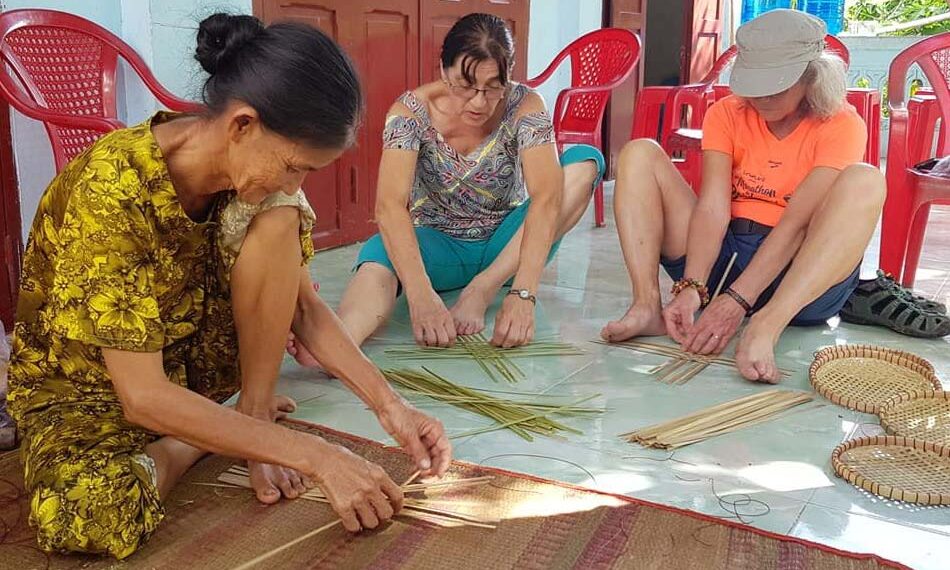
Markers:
864,378
898,468
923,415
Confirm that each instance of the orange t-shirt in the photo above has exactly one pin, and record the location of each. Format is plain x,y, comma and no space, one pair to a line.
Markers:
767,171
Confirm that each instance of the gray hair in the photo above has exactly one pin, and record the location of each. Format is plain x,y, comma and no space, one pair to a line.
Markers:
825,81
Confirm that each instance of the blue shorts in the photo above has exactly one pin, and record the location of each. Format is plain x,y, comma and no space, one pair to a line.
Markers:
745,246
452,263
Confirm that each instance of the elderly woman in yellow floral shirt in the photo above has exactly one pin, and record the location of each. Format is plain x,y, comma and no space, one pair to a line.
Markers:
162,273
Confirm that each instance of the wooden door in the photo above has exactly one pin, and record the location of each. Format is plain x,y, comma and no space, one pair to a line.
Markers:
516,14
702,38
10,229
330,188
629,15
381,37
438,17
385,46
395,46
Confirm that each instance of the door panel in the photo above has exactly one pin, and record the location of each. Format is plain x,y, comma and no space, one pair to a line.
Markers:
437,18
10,229
629,15
395,46
327,189
704,24
516,14
386,47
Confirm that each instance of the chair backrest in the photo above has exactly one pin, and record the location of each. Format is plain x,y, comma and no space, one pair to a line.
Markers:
690,102
932,55
600,58
832,44
61,69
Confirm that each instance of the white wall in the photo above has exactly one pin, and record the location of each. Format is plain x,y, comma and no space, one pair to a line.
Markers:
554,24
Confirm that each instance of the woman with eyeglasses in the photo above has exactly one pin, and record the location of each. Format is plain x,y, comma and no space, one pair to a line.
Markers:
471,196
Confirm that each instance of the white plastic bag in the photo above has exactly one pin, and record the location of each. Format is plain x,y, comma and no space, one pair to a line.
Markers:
7,429
942,168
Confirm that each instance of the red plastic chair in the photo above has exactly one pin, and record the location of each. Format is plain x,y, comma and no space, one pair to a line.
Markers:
60,69
914,137
681,135
600,61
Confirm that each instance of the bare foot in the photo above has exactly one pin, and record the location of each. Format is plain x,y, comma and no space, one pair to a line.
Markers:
298,351
755,355
172,458
271,481
469,311
301,354
640,320
282,406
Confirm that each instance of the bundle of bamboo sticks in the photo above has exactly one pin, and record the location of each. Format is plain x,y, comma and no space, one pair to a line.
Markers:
683,365
494,361
523,418
415,508
718,420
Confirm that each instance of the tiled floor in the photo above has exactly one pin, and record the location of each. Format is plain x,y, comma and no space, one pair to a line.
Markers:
783,463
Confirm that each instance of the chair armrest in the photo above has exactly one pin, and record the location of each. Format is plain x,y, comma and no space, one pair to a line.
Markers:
548,71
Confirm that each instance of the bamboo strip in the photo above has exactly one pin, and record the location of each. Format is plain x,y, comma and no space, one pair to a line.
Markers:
725,275
410,504
709,415
407,487
522,418
694,369
254,562
717,420
674,352
494,361
412,510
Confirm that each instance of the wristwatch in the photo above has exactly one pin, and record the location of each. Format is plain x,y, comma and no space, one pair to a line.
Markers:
523,294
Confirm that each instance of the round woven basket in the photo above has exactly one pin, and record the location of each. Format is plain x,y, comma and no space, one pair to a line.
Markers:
864,378
923,415
898,468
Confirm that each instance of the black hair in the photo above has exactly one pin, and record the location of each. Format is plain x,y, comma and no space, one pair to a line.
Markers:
477,38
300,82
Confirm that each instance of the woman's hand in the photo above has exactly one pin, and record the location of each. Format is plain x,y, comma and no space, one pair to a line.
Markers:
360,492
432,323
422,436
680,312
715,327
514,324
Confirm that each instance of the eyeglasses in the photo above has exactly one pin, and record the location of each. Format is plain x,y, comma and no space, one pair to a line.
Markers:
467,92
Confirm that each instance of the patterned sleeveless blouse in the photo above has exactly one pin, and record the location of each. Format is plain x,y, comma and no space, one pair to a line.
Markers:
467,196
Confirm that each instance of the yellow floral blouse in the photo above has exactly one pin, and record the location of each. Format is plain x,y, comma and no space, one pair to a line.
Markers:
113,261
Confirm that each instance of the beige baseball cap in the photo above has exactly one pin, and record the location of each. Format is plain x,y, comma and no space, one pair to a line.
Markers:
774,50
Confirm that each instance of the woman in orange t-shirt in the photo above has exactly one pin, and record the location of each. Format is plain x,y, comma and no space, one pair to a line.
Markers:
783,192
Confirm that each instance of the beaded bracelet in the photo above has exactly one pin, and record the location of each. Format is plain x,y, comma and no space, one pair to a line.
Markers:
696,284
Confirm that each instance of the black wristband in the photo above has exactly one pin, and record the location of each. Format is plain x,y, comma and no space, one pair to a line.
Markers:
738,299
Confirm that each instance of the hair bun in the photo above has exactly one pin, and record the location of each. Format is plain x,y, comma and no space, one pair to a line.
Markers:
221,35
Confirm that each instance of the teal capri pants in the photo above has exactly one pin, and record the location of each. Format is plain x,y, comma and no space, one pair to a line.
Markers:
452,263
